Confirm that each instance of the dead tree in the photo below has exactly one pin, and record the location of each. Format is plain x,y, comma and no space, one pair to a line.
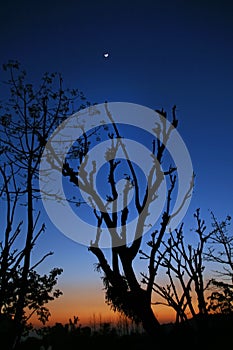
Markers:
124,292
182,259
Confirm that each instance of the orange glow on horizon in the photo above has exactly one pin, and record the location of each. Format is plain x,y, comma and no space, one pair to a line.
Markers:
86,303
89,305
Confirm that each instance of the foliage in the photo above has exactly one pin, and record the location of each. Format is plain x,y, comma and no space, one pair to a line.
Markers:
29,114
120,299
221,300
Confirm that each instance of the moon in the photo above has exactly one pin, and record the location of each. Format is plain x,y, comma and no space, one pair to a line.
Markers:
106,54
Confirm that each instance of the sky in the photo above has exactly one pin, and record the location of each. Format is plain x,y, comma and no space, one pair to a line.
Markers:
161,53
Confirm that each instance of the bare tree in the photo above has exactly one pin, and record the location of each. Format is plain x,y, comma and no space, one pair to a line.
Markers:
124,291
189,289
183,263
220,250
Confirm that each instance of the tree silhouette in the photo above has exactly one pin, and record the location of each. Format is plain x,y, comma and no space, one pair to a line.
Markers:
183,263
29,120
190,289
124,292
184,266
39,289
28,116
220,253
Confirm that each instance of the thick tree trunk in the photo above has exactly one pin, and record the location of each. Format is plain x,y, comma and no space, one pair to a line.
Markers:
137,300
143,311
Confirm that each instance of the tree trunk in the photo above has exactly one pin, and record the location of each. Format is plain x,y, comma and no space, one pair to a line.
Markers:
18,326
144,312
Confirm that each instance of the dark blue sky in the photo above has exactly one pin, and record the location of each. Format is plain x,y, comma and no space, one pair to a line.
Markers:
161,53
